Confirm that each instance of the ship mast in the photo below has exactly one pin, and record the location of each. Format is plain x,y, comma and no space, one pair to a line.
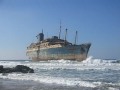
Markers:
65,35
60,30
76,37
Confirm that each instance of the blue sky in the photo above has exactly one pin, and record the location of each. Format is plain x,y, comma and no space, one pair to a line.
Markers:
97,21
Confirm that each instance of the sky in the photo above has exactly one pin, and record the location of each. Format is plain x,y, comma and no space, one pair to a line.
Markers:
97,22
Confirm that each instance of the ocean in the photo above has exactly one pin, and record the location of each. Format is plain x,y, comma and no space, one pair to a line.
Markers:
90,74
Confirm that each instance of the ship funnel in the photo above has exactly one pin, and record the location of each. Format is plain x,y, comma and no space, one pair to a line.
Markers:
40,36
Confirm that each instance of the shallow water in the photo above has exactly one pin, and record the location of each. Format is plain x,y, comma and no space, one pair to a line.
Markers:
91,73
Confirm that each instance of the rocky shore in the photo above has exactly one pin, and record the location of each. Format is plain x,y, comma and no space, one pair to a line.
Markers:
18,68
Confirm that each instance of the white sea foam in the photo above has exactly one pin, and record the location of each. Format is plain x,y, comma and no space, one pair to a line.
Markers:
89,63
49,80
91,60
113,88
67,72
9,63
58,80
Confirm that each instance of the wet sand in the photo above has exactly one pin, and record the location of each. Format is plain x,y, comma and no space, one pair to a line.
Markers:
8,84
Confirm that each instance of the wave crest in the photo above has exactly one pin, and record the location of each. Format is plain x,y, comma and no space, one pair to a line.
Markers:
92,60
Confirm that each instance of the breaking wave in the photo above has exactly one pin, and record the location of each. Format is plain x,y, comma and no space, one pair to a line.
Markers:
49,80
91,60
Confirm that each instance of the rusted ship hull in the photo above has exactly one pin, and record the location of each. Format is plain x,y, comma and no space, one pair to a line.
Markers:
69,52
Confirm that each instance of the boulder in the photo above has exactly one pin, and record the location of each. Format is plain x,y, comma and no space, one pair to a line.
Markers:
7,70
1,68
23,69
18,68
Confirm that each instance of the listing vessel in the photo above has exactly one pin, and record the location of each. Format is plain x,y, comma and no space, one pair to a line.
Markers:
55,48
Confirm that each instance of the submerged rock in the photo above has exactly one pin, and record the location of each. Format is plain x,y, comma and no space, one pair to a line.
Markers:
18,68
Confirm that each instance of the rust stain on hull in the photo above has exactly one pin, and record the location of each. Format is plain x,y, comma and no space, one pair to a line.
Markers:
78,52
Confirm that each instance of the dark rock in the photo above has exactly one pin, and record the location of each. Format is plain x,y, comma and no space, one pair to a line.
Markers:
7,70
18,68
23,69
1,68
